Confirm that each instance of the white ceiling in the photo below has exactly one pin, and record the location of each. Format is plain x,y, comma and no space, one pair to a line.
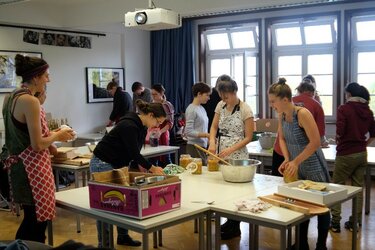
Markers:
86,13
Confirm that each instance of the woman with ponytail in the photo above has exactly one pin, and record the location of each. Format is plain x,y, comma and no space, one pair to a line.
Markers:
300,144
122,147
28,140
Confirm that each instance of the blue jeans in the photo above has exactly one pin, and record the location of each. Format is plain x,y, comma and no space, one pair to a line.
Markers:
96,165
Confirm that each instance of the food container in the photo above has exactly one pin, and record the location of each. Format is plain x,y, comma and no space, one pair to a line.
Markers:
267,140
156,195
240,170
331,194
199,164
185,159
212,164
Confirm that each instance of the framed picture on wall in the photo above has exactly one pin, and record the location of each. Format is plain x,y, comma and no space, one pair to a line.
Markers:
8,78
97,80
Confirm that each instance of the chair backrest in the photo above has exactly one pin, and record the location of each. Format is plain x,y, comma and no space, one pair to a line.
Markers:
266,125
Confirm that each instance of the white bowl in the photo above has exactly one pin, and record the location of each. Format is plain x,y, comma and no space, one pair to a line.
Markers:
240,170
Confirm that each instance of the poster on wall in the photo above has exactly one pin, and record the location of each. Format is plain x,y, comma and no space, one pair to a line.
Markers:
8,78
30,36
97,80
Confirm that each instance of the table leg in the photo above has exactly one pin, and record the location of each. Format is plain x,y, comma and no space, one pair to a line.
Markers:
283,238
195,226
290,238
105,240
176,156
201,232
155,239
57,180
297,228
217,232
355,222
84,182
145,241
208,230
50,233
368,190
251,236
160,238
78,217
256,237
111,242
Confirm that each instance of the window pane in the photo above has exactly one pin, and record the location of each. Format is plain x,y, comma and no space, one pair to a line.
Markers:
324,84
327,103
244,39
251,65
366,62
367,80
253,101
288,36
290,65
318,34
320,64
218,41
293,82
219,67
364,32
238,75
251,86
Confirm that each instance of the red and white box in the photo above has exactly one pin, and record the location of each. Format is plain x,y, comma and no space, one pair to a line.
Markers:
134,201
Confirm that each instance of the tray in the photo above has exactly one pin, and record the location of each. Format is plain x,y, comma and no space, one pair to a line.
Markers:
332,194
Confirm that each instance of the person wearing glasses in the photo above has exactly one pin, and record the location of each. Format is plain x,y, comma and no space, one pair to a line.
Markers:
122,147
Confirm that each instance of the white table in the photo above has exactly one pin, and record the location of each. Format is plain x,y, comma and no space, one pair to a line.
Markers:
146,151
265,156
204,188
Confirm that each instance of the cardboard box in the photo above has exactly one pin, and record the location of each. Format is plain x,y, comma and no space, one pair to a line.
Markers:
331,194
138,202
66,153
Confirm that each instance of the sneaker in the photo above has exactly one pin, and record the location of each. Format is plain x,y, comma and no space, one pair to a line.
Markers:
349,225
335,227
128,241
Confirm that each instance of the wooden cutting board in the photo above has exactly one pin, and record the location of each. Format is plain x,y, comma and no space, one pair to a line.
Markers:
294,204
76,162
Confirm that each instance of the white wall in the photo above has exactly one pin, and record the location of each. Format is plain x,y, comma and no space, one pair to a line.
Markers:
66,96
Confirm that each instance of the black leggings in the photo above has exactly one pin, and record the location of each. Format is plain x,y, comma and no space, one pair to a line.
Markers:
30,228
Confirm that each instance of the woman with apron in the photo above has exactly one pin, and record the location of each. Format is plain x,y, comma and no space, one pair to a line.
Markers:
300,144
233,126
28,140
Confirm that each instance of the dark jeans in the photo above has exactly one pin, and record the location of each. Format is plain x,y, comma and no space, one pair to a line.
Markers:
323,228
277,160
30,228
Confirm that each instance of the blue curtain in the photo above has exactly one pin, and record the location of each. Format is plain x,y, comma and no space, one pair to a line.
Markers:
172,63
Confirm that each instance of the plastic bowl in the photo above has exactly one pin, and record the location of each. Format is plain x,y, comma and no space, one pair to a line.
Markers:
240,170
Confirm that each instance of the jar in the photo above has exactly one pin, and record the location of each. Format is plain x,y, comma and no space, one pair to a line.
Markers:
199,163
185,159
212,164
154,139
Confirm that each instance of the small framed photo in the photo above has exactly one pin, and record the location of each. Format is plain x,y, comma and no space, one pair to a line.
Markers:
8,78
97,79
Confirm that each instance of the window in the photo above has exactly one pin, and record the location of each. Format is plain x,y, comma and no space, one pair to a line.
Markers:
302,47
363,53
234,51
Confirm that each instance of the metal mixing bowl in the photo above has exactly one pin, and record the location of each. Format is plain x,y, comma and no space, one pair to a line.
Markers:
240,170
267,139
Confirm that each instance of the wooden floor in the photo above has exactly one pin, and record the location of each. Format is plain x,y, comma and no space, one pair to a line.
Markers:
181,237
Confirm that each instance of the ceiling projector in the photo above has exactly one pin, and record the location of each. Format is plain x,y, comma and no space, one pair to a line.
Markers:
153,19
